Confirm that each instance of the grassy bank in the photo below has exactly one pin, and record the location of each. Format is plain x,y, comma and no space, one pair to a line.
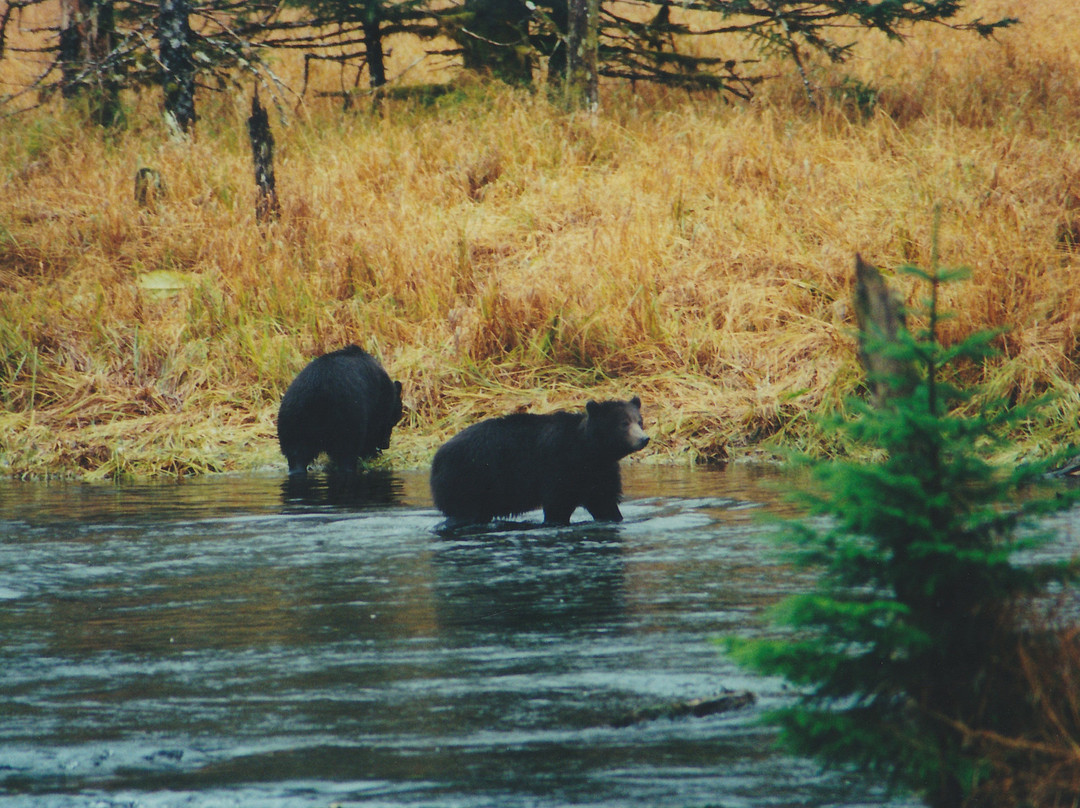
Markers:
498,253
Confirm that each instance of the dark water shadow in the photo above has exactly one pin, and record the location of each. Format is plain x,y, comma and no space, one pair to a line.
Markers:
517,578
370,488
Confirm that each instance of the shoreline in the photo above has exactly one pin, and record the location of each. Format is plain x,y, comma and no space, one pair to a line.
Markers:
176,449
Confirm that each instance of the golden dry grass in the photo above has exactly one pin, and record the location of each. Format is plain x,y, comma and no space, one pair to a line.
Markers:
498,253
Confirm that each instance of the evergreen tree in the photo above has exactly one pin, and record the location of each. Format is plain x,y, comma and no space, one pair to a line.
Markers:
494,37
903,646
85,49
655,40
353,31
662,47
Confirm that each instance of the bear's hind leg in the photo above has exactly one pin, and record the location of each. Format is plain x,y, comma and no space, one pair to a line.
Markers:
344,463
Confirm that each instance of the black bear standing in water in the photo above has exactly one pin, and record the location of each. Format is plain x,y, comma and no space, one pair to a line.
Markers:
510,465
343,403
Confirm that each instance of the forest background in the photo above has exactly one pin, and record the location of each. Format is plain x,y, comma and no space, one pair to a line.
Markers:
499,252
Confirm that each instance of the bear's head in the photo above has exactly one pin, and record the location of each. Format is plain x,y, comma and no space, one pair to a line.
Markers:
615,427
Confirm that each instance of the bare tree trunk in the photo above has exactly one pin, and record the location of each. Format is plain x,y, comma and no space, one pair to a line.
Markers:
582,45
880,316
262,150
87,39
374,47
178,81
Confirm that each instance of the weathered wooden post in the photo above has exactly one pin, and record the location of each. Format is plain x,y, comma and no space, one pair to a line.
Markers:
880,316
262,151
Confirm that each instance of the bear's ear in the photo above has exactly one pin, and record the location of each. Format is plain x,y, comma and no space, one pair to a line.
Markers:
592,407
636,402
397,387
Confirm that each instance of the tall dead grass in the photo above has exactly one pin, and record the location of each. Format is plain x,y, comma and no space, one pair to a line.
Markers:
498,253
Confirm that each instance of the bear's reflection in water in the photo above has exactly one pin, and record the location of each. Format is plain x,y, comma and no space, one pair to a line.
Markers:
539,580
354,491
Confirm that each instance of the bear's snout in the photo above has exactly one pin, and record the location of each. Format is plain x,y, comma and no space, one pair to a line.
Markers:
638,438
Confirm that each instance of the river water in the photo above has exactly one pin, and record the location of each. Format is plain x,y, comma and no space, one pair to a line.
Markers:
247,641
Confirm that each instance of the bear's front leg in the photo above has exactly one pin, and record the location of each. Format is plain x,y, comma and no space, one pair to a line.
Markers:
604,511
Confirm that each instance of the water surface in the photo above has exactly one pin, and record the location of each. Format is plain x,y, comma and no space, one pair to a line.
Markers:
250,641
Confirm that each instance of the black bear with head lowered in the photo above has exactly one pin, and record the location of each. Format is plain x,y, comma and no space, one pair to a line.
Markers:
343,403
510,465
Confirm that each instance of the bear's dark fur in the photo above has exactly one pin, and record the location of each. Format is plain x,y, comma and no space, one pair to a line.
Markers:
510,465
343,403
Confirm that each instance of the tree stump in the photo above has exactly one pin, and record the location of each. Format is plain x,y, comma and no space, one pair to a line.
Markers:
149,187
262,151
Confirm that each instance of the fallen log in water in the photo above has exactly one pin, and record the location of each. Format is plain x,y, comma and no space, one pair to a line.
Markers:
695,708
